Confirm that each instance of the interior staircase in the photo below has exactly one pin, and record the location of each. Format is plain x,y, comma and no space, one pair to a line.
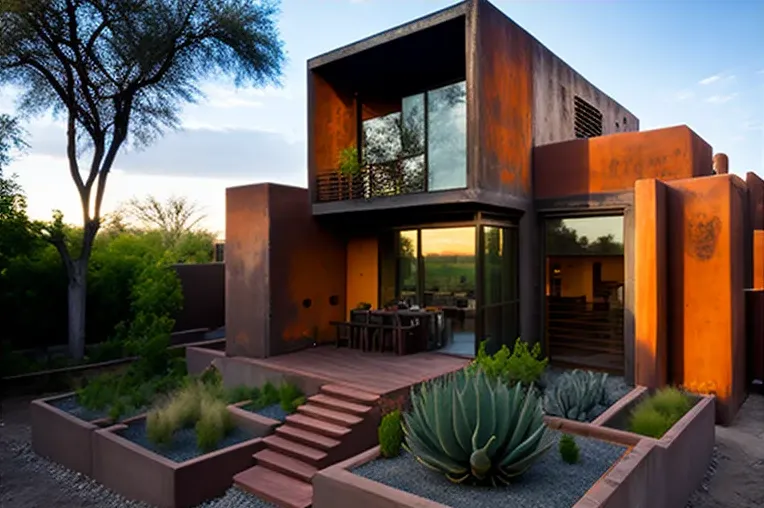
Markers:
331,426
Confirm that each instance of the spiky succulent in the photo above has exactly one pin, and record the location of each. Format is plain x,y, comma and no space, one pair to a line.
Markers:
476,430
575,394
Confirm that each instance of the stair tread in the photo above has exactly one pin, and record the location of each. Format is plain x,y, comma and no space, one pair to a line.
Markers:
285,465
276,488
296,433
339,404
329,414
279,443
318,426
350,393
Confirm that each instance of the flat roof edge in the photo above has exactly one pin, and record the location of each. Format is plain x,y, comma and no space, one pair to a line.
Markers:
391,34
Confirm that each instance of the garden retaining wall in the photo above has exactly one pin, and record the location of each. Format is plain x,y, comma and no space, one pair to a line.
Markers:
140,474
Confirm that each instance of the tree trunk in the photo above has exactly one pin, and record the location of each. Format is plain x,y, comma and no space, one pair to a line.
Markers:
77,298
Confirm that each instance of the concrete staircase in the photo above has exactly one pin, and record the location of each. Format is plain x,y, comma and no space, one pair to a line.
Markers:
331,426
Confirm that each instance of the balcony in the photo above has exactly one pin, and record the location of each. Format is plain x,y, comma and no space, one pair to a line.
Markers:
373,181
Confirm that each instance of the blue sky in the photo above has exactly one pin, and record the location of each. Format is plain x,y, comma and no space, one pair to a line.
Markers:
670,62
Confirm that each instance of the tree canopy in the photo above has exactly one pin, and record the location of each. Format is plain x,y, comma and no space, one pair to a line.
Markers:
119,71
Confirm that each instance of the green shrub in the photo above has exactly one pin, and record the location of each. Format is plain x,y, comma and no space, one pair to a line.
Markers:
290,397
569,450
655,415
522,364
390,434
239,393
269,395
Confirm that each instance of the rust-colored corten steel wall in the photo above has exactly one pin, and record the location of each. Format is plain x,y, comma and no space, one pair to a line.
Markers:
307,273
203,296
285,274
614,163
503,104
706,312
247,296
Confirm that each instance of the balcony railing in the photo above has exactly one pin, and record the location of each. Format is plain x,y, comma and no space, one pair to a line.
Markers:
377,180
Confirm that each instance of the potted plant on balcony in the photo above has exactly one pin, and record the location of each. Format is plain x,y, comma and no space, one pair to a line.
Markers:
349,169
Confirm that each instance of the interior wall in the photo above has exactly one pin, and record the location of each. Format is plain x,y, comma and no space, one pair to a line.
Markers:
362,272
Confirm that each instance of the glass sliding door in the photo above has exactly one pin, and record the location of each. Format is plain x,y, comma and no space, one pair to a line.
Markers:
447,138
408,267
584,290
449,268
501,301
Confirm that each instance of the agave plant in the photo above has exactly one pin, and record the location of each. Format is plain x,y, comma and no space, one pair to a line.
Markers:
575,394
476,430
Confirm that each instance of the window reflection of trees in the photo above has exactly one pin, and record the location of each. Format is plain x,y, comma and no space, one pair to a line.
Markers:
562,240
393,146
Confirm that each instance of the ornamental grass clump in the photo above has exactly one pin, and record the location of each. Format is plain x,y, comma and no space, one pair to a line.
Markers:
575,395
655,415
474,429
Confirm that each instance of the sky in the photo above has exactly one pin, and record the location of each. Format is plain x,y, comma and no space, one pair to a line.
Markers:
670,62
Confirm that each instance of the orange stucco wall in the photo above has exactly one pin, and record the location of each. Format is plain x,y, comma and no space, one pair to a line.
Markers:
614,163
706,308
362,272
650,284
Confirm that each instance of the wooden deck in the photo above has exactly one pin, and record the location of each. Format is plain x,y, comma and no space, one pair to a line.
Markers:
378,373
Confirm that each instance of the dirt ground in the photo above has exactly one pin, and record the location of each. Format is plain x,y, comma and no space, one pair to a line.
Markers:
735,478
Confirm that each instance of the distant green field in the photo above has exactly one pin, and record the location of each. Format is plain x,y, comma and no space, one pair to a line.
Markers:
446,274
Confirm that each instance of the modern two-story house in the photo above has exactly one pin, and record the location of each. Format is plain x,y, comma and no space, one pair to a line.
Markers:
456,163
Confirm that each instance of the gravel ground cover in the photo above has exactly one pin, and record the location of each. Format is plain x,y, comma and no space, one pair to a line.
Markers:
273,411
183,446
548,483
71,406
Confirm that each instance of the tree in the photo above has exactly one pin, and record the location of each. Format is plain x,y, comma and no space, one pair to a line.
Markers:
173,218
119,71
11,137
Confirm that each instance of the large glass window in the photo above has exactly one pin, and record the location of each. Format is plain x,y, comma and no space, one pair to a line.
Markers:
447,138
408,267
417,144
501,301
585,292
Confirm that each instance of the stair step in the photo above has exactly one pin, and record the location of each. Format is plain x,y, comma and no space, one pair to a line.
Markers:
306,437
276,488
317,426
295,450
339,404
328,415
350,394
285,465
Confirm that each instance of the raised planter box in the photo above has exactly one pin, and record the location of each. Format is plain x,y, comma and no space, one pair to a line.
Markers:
140,474
621,485
683,453
61,436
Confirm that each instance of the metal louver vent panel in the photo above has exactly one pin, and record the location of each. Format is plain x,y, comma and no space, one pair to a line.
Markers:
588,119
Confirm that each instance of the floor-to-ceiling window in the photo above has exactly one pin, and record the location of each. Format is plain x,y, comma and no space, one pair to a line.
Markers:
585,278
500,307
415,144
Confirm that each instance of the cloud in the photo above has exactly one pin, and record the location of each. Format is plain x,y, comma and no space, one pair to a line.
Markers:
721,99
227,97
210,153
716,78
684,95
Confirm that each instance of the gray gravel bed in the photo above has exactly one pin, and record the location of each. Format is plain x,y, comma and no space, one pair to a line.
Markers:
549,483
273,411
79,490
615,388
71,406
183,446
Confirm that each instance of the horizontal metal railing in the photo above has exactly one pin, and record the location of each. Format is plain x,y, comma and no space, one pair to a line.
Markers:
374,180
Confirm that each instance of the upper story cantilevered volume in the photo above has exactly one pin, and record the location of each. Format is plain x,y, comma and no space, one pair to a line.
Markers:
445,109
